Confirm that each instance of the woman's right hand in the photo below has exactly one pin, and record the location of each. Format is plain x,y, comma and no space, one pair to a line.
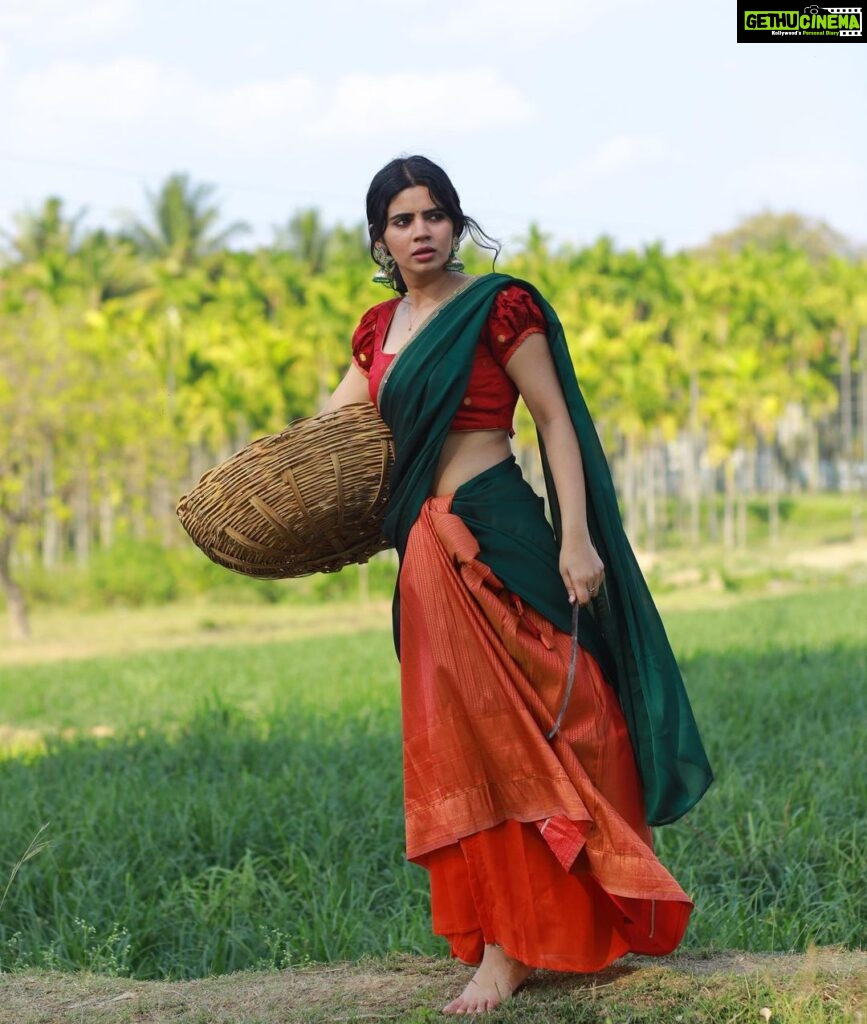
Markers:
582,570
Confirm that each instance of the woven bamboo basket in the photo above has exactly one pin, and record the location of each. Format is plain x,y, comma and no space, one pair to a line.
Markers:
309,499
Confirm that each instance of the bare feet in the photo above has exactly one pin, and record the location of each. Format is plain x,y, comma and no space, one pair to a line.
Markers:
496,979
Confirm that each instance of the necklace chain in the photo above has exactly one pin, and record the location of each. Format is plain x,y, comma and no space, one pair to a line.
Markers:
412,316
411,323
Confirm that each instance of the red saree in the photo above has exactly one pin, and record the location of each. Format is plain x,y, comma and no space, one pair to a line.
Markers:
541,848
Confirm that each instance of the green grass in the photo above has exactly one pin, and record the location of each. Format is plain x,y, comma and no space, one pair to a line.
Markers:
240,806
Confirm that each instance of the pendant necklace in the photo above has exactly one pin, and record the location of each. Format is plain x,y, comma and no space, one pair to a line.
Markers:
434,307
410,317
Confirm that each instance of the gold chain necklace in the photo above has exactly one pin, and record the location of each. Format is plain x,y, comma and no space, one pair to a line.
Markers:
410,316
413,319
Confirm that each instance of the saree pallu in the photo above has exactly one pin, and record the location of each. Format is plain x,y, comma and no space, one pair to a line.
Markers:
538,846
418,398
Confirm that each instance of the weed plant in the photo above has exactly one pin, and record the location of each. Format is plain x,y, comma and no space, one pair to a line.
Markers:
221,808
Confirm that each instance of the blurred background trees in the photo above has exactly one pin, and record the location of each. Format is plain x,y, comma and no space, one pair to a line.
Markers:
131,361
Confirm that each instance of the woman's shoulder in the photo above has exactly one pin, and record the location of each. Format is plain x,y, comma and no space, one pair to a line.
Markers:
513,317
515,305
386,303
364,336
370,317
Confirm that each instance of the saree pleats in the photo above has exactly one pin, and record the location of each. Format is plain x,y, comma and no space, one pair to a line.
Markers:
503,886
539,846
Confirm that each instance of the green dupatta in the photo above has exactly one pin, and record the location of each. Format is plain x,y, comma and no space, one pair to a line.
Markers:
418,399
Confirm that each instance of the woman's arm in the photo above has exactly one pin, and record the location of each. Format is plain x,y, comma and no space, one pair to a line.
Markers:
533,372
353,388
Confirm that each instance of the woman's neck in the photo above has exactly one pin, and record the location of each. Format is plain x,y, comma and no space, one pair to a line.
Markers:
423,293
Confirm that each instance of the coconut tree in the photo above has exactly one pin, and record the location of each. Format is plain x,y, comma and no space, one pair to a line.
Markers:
42,245
40,233
305,236
184,225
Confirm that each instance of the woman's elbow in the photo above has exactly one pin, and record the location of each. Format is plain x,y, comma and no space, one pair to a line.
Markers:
553,422
352,390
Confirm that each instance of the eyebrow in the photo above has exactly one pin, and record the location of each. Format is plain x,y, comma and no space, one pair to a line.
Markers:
408,213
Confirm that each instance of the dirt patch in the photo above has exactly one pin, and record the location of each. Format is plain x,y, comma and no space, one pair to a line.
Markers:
62,634
831,557
412,989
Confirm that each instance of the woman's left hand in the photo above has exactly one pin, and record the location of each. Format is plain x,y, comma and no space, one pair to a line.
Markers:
582,570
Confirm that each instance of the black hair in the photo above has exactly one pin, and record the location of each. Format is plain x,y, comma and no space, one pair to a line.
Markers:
405,172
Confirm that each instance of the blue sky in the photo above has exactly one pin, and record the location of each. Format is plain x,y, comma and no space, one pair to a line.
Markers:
637,119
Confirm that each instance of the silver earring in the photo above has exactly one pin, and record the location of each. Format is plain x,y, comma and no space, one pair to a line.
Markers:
385,274
454,262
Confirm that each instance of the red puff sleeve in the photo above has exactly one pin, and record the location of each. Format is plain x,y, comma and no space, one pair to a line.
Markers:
363,339
514,316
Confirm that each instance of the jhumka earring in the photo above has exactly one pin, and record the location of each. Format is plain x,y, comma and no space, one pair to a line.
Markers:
454,261
385,274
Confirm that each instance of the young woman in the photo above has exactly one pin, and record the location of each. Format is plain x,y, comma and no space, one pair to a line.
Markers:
539,740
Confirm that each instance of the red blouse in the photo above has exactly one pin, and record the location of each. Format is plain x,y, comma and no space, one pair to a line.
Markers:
490,398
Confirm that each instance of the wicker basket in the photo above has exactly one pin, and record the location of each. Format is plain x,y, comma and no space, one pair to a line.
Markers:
309,499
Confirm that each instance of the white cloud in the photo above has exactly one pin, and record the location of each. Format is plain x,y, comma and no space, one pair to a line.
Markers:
517,23
122,91
41,21
456,102
797,176
252,108
130,93
615,156
133,95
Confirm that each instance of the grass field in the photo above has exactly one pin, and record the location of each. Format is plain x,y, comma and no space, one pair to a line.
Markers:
233,805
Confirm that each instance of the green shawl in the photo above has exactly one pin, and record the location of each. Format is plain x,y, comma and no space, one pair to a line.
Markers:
418,399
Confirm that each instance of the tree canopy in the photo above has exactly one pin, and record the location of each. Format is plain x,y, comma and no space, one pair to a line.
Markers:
132,360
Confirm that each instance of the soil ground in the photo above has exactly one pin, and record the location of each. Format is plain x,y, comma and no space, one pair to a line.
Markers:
821,985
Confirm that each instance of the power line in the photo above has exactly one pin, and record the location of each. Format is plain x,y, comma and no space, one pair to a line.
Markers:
569,227
127,172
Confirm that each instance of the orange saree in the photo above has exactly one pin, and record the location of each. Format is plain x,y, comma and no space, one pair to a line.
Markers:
540,847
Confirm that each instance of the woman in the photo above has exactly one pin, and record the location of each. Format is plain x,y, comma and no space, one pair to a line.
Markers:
538,742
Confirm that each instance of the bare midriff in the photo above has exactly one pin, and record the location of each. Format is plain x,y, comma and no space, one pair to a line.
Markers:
465,454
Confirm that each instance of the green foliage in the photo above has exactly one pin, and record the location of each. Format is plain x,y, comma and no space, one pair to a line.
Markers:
131,363
220,808
133,574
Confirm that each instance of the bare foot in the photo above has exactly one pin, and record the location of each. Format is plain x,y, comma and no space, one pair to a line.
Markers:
496,979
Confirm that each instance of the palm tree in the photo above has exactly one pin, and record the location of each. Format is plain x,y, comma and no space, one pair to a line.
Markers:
183,225
44,232
305,236
43,245
106,267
